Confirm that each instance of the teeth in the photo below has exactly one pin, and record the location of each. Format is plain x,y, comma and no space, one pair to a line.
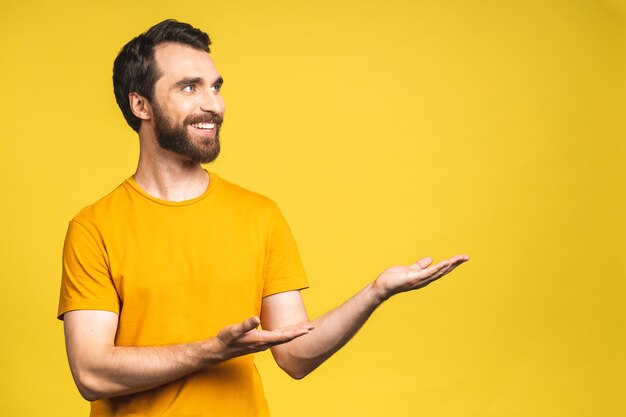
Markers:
204,125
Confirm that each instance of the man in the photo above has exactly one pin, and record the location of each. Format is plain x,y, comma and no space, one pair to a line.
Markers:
167,279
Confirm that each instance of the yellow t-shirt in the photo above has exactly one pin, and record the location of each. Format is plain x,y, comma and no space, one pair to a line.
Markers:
178,272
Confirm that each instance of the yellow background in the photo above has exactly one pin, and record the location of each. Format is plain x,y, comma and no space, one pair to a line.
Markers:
386,131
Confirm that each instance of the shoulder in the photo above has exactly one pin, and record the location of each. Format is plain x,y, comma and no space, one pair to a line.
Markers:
115,201
241,196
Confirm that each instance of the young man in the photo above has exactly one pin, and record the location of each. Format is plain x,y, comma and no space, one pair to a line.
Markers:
167,279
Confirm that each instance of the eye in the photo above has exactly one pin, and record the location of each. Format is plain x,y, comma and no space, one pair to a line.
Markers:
189,88
216,88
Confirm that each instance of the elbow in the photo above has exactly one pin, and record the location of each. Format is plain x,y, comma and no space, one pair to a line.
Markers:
88,386
297,374
88,394
294,363
295,369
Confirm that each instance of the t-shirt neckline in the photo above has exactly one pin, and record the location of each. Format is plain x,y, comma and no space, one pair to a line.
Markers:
213,180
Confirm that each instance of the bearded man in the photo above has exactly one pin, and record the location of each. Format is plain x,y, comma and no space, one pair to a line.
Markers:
167,279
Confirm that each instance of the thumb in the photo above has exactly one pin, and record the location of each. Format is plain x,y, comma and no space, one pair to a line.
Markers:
235,331
422,263
247,325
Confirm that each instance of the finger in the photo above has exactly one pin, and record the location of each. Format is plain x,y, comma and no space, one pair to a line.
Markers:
422,263
304,325
448,263
440,274
286,334
454,263
459,259
236,331
437,270
247,325
437,276
268,338
433,269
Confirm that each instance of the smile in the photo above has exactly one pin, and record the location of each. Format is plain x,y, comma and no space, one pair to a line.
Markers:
203,125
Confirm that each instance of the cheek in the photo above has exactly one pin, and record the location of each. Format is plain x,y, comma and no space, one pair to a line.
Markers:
178,111
186,107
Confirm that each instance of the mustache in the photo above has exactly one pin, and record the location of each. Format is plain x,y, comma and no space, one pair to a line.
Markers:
204,118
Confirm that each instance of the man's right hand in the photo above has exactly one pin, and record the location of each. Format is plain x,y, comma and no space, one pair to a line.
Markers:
103,370
244,338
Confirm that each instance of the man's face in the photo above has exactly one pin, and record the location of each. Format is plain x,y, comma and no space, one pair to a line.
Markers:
187,107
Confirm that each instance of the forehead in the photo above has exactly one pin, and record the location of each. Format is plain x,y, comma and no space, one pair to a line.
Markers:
176,61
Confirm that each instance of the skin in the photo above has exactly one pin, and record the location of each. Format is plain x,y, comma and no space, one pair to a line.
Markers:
103,370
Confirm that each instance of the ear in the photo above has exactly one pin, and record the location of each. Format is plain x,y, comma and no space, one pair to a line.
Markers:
140,106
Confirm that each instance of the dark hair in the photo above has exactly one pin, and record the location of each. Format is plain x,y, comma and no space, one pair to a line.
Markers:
135,69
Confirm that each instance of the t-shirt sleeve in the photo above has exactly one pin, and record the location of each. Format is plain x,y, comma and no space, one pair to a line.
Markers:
284,270
86,282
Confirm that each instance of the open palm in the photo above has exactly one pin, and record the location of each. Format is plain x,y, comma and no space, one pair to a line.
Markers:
412,277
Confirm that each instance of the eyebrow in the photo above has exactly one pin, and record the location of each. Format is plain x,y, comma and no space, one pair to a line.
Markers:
198,80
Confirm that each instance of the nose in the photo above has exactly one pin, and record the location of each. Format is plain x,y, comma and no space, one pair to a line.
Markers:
212,102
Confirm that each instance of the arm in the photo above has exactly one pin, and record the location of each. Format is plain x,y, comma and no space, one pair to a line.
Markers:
101,369
335,328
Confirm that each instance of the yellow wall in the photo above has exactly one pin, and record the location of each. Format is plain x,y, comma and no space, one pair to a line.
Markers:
386,131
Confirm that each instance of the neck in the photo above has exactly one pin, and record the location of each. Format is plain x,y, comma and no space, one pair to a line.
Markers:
167,175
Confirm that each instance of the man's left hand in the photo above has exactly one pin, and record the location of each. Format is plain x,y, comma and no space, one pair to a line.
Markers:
399,279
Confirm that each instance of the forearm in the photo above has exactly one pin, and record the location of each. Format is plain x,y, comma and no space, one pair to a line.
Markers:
103,370
332,331
335,328
113,371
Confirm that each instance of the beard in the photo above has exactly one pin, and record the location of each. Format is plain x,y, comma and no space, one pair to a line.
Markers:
178,139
